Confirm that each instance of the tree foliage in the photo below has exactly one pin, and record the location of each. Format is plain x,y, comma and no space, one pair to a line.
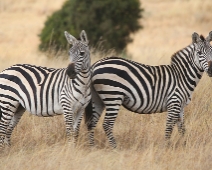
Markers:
109,22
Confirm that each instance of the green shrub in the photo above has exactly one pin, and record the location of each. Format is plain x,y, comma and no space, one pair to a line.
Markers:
107,22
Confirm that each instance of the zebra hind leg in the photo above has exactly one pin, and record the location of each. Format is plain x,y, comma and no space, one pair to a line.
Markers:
14,121
92,114
7,112
109,120
93,111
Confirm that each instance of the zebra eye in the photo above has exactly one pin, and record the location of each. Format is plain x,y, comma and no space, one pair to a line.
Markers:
82,53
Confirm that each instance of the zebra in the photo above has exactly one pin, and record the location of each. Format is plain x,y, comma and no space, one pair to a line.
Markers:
47,92
147,89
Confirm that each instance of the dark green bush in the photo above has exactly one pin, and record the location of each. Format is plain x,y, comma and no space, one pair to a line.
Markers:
107,21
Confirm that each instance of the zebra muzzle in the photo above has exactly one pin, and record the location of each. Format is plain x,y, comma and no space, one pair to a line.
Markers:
71,71
209,74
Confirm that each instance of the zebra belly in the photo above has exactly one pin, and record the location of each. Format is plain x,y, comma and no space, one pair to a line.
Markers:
146,111
151,107
47,112
135,101
113,97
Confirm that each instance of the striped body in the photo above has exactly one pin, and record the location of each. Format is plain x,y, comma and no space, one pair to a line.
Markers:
30,88
141,88
147,89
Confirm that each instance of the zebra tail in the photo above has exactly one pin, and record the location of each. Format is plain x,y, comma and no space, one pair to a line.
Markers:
0,112
95,103
88,112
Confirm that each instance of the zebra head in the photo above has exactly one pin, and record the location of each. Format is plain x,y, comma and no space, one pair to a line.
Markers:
79,54
203,52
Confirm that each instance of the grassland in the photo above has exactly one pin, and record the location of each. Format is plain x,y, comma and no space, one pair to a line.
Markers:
40,143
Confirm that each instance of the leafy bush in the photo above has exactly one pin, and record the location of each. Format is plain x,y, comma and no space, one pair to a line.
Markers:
109,22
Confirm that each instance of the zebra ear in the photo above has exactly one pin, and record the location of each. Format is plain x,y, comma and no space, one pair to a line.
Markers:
71,39
209,37
195,38
83,37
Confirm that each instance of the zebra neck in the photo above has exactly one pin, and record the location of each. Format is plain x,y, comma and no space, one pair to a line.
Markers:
184,58
86,73
84,77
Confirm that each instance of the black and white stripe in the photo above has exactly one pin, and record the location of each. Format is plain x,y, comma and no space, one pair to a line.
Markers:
47,91
147,89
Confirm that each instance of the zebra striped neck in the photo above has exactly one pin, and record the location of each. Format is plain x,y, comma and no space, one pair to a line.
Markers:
186,56
182,63
83,79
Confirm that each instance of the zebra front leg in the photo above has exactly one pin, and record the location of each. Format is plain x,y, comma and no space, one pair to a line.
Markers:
180,123
76,126
181,127
68,119
172,118
76,131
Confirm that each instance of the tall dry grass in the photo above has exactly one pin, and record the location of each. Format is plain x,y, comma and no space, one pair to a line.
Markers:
40,143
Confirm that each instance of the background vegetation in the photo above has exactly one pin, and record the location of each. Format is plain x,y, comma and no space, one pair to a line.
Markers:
109,22
39,143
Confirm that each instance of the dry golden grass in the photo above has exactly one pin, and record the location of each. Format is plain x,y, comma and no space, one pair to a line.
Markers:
39,143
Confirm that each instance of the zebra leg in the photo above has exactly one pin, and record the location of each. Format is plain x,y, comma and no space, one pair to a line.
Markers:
77,123
180,123
109,120
181,126
7,113
93,111
172,118
92,114
76,130
14,121
68,118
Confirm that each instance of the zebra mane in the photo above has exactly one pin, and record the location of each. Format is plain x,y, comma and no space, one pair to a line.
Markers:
174,56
